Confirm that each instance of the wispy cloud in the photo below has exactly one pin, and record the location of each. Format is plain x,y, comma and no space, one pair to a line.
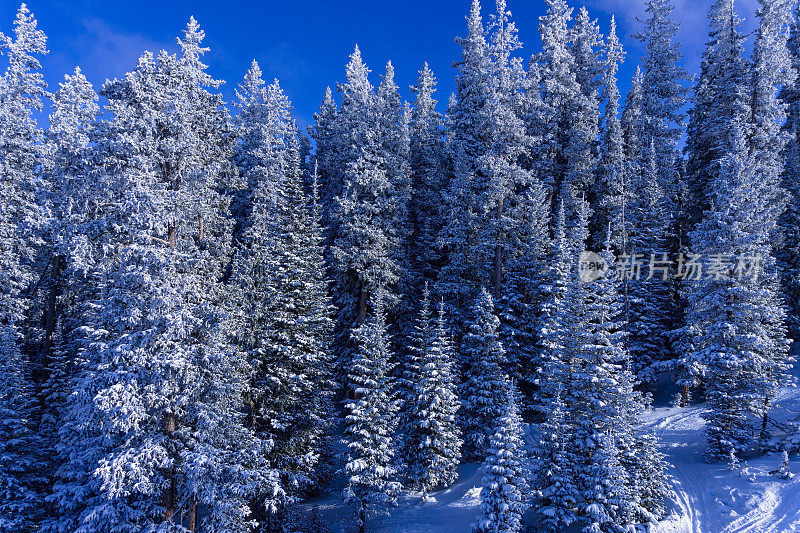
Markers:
692,14
282,62
103,51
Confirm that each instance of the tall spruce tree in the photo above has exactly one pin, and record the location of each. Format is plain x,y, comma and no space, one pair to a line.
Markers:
505,480
485,383
735,318
283,313
369,214
663,89
554,490
585,43
569,125
370,421
468,138
589,452
790,220
654,221
551,332
432,436
73,238
719,96
156,415
613,194
326,135
428,166
517,236
21,90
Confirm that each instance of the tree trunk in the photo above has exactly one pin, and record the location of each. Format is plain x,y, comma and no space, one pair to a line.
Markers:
45,356
764,436
363,300
497,276
362,520
192,525
169,497
171,235
685,396
202,225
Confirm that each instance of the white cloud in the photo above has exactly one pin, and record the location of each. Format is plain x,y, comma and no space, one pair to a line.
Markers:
691,14
105,52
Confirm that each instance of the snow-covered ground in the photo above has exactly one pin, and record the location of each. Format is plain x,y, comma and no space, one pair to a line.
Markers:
451,510
709,498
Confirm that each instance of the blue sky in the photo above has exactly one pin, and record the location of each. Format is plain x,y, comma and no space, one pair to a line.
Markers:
305,43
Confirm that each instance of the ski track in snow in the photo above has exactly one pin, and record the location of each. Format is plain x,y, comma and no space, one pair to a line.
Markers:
709,498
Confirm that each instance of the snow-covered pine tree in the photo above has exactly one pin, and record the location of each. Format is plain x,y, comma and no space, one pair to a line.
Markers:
555,491
21,90
485,384
154,428
647,471
613,194
468,135
370,421
772,68
72,239
584,44
663,94
407,376
325,134
432,439
290,347
648,293
784,472
561,97
266,201
595,353
789,221
69,170
19,501
428,166
663,90
506,475
263,128
637,450
394,123
394,118
550,335
631,120
491,198
609,493
601,409
513,242
369,215
525,287
719,95
735,319
720,99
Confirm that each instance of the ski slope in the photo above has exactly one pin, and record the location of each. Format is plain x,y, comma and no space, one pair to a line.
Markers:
709,498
